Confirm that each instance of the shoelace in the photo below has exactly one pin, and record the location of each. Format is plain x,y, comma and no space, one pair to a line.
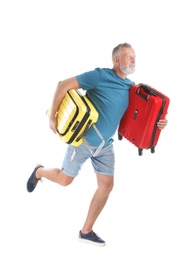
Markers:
93,233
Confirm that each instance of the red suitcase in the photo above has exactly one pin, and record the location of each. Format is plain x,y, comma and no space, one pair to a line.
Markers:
139,122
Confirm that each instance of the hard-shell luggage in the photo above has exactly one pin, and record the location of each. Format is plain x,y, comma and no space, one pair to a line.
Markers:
75,116
139,122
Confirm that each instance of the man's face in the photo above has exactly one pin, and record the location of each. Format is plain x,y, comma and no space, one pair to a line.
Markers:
127,61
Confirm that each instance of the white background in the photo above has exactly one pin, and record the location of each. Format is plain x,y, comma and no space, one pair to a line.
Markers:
151,211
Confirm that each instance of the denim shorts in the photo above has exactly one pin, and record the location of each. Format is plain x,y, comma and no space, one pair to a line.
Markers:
75,157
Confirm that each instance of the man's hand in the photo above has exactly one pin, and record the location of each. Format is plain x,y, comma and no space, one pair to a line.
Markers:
162,123
53,124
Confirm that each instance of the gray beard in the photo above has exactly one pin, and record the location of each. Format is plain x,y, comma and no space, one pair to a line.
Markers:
127,70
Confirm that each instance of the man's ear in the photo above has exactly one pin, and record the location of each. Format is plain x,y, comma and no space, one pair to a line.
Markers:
115,60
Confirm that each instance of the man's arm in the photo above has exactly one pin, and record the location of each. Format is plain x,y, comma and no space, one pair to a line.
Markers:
60,92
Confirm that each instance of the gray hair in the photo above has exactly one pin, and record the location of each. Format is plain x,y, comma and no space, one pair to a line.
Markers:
117,49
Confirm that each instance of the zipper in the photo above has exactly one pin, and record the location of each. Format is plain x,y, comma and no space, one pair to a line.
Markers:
84,119
155,93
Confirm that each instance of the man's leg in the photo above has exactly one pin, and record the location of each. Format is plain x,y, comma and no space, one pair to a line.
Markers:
105,185
55,175
73,160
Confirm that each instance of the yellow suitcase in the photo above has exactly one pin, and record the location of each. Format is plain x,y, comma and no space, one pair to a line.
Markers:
75,116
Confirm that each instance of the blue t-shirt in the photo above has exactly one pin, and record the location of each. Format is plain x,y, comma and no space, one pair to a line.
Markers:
110,95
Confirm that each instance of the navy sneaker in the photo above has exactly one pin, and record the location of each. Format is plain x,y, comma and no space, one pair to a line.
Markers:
33,180
91,238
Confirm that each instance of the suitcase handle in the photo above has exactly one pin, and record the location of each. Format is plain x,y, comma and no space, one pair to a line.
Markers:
146,88
88,126
99,147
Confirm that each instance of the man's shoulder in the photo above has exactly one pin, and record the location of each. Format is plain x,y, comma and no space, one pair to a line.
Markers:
107,70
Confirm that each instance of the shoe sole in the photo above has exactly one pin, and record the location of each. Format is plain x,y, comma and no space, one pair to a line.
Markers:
90,242
34,171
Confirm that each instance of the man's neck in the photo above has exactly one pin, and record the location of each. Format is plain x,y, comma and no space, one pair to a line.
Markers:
119,73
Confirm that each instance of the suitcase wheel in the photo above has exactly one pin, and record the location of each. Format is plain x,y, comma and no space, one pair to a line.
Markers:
152,149
120,137
140,151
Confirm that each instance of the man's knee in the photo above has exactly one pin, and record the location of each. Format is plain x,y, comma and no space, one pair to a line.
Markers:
107,187
110,186
64,179
105,182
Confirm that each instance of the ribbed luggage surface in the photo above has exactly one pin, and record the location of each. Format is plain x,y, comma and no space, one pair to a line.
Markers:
76,115
139,123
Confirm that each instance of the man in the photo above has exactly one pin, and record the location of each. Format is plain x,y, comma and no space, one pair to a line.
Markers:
108,90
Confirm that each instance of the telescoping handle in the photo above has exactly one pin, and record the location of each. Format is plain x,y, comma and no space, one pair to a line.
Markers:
96,152
146,88
82,136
